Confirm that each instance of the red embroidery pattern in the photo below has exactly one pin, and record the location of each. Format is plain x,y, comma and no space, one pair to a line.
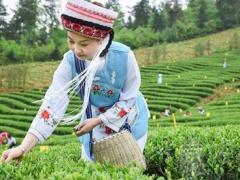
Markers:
108,130
102,91
102,109
47,117
96,87
85,30
122,113
109,92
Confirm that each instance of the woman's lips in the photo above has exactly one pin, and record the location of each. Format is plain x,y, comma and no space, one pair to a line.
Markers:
80,56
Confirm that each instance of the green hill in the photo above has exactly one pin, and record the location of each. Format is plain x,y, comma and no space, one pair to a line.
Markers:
39,75
185,85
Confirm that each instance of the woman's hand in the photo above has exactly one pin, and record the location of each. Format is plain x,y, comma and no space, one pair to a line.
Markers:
86,126
12,154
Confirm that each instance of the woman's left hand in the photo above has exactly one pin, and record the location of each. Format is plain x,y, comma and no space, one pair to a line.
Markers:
86,126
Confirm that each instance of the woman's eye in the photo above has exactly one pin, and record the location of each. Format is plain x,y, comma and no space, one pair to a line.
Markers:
84,45
71,42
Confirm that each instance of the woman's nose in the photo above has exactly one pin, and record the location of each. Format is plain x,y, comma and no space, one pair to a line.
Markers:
78,51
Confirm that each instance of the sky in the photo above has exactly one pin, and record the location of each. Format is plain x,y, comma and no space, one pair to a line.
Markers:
126,4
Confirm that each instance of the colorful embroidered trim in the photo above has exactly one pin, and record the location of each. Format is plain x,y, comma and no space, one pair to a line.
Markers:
88,31
101,91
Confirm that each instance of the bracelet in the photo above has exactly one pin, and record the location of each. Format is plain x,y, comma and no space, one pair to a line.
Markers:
22,149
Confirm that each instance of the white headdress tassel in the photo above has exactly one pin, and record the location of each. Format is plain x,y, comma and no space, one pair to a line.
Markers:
72,86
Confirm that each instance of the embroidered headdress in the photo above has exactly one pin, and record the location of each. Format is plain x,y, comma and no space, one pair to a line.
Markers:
88,19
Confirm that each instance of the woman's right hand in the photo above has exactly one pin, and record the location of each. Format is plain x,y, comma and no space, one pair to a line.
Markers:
12,154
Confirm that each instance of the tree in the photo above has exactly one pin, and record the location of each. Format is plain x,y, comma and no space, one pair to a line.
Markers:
141,13
24,20
192,4
51,21
191,13
129,23
174,11
229,12
158,20
202,16
115,6
3,14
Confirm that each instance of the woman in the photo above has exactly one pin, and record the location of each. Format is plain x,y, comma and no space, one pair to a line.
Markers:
106,76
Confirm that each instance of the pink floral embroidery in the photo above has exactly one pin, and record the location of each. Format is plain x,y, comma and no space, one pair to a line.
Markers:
96,87
110,92
108,130
122,113
101,90
102,109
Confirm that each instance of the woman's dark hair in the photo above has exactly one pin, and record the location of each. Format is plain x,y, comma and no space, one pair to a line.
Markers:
105,51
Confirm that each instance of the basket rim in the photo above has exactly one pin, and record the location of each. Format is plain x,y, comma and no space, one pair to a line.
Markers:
109,137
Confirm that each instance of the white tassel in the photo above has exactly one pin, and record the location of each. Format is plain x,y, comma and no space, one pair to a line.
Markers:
72,86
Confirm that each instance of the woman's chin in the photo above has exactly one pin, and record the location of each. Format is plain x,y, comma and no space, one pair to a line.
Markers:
81,57
84,57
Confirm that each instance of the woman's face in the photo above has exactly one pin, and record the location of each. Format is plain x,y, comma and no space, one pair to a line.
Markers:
83,47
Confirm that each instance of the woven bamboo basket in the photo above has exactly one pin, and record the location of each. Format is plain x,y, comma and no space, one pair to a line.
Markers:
120,149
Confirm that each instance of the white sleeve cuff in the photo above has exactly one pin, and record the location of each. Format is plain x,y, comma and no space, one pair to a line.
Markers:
113,125
36,133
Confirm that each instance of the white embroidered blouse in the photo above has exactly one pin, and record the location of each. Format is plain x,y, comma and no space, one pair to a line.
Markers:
54,108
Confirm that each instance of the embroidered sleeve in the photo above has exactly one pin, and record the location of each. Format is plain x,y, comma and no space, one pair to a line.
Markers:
116,116
53,107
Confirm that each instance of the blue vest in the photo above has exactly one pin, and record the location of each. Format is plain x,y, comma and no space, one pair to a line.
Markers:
107,85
